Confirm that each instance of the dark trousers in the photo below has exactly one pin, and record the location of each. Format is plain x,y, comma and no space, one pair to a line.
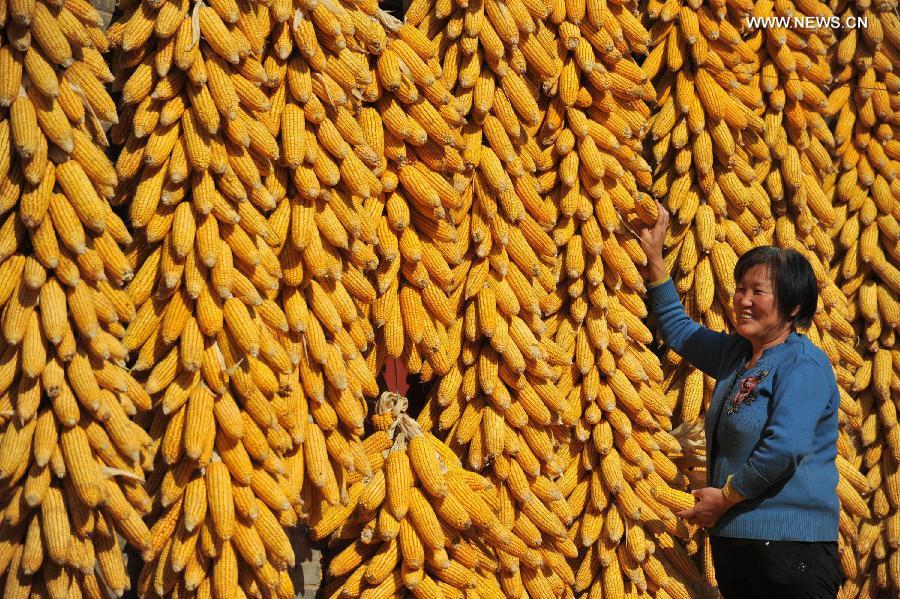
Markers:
751,569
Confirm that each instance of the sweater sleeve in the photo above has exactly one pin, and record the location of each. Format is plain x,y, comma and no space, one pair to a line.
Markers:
800,397
705,349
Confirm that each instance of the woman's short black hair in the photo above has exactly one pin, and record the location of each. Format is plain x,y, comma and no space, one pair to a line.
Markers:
793,281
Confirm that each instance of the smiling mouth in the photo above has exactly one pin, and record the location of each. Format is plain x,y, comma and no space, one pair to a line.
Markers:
746,316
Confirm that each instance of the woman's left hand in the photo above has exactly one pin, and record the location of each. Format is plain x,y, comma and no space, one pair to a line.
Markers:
710,506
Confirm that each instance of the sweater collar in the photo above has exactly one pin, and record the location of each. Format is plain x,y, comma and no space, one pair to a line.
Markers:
771,354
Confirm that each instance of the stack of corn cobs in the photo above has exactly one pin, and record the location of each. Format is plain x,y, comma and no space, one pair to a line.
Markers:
219,222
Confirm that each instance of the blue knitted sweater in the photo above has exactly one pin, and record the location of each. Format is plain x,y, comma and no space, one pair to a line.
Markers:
778,439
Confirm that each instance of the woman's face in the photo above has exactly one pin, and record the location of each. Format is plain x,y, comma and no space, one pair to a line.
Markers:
755,309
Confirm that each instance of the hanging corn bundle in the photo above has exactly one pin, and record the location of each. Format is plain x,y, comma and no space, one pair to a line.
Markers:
70,454
865,200
432,527
320,74
199,170
423,221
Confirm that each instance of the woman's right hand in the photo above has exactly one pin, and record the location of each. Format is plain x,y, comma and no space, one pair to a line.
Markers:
652,240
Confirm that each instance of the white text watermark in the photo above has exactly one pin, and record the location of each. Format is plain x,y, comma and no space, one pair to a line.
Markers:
808,22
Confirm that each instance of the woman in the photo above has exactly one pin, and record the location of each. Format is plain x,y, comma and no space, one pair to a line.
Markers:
771,505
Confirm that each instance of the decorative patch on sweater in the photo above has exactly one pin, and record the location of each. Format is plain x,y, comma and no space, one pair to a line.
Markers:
746,391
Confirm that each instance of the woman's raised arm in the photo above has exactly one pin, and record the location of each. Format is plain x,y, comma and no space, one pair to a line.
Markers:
710,351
